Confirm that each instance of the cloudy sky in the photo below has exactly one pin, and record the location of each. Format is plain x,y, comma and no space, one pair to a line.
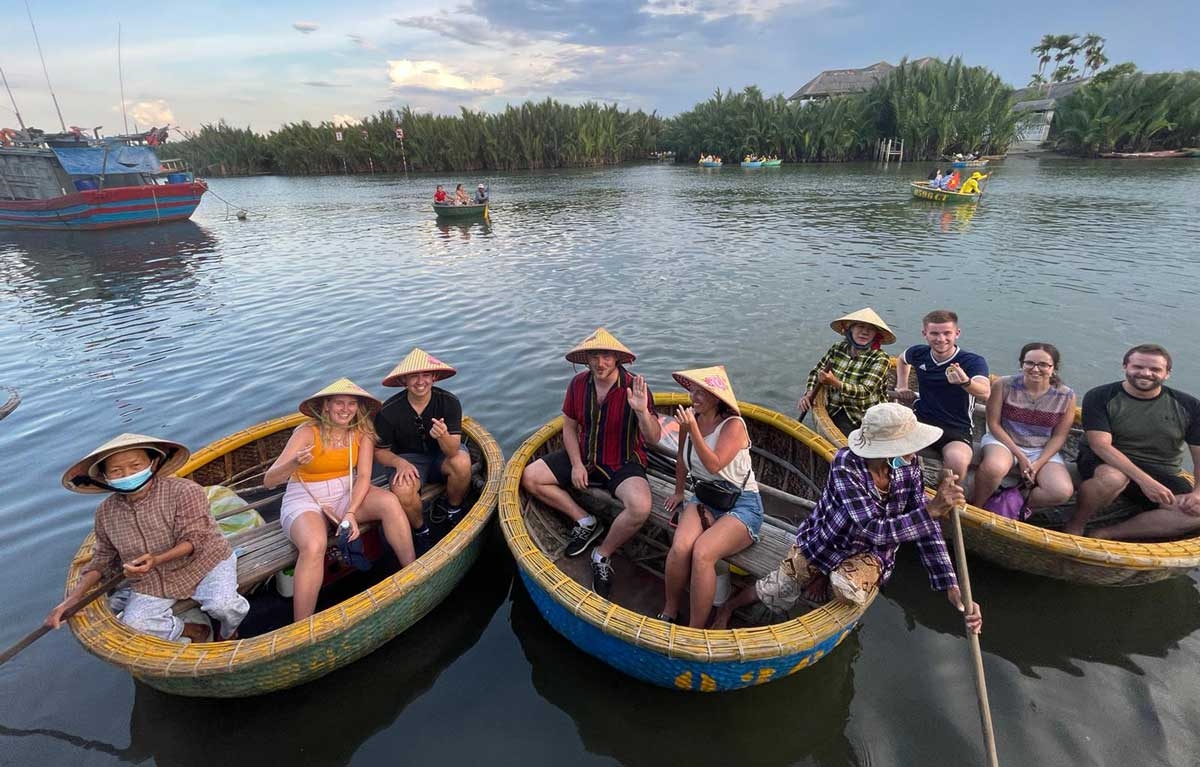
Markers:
265,63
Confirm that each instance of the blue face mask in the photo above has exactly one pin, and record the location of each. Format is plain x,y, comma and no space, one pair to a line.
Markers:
133,482
898,462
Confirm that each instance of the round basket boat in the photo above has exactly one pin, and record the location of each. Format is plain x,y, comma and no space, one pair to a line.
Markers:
1038,550
297,652
791,465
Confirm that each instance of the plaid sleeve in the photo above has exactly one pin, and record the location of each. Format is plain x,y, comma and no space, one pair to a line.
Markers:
811,383
936,560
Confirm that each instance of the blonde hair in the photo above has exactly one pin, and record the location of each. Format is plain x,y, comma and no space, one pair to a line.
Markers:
363,423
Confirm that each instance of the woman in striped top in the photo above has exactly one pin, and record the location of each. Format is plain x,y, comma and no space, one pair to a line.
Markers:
1029,416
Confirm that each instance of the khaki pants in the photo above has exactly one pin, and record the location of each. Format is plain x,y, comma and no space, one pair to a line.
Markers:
852,581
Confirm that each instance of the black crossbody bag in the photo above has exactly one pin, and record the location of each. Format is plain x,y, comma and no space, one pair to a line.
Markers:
718,494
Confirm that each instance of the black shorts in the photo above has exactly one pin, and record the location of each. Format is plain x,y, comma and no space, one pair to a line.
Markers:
1176,483
560,466
949,434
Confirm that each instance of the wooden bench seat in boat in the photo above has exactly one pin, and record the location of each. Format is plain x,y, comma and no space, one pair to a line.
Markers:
775,538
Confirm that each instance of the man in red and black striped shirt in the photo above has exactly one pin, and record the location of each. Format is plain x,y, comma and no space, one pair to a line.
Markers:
608,415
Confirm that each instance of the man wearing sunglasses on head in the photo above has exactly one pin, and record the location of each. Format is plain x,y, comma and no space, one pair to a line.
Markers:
420,438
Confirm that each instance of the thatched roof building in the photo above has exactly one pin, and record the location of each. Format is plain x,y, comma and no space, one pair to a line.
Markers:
840,82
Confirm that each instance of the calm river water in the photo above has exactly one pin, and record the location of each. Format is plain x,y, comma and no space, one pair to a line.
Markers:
196,330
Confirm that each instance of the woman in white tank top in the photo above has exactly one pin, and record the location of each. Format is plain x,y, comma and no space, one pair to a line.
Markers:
717,447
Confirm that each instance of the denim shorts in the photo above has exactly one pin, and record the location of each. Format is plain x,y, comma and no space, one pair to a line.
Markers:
748,510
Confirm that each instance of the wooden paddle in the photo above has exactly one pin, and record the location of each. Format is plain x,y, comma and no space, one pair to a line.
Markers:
985,711
40,631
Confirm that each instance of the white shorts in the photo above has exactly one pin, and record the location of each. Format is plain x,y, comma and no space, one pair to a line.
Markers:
334,493
1032,453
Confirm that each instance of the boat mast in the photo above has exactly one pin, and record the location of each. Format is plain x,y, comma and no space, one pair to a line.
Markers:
121,77
44,71
13,100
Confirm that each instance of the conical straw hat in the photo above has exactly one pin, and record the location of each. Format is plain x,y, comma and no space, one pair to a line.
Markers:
76,479
713,380
311,405
418,361
869,317
600,341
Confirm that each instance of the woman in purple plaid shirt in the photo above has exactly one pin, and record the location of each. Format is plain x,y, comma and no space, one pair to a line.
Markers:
873,502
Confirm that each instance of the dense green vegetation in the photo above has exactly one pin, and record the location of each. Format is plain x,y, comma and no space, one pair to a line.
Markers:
937,108
1131,113
547,134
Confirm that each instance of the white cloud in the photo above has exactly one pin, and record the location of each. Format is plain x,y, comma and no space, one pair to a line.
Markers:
714,10
304,27
346,120
156,112
433,76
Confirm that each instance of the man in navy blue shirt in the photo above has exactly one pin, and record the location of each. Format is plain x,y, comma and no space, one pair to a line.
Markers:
949,380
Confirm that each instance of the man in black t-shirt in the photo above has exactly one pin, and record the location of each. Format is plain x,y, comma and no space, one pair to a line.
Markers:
1136,430
420,439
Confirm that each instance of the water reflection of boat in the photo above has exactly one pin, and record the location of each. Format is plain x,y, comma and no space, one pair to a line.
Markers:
923,191
790,464
70,182
1040,550
590,696
294,653
71,268
464,229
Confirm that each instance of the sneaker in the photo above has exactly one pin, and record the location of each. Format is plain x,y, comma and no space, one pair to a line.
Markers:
422,541
665,618
453,515
582,537
602,577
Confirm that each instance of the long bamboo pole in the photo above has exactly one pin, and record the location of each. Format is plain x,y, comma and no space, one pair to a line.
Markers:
964,578
42,630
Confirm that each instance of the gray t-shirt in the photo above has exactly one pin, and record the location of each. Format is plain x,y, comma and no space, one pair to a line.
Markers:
1150,432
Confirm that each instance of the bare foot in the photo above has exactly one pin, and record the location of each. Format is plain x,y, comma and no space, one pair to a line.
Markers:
720,620
196,632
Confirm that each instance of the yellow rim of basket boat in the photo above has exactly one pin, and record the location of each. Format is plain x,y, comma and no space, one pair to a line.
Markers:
99,630
674,641
1133,555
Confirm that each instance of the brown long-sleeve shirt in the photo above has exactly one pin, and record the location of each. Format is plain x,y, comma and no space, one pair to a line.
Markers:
173,510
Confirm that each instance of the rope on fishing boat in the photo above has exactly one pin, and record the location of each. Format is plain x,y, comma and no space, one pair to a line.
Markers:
241,212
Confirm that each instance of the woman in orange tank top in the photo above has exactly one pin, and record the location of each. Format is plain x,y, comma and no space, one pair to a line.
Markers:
319,464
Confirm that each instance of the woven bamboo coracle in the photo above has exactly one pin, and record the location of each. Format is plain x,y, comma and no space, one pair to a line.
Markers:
661,653
299,652
1032,549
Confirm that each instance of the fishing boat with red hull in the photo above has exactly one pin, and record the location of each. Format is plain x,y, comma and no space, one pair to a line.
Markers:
75,183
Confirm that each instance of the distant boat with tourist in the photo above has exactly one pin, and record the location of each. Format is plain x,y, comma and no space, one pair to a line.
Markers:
69,181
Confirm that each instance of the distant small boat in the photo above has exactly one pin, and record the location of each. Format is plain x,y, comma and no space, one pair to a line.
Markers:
710,163
752,163
772,163
922,190
445,210
1168,154
1191,151
968,163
